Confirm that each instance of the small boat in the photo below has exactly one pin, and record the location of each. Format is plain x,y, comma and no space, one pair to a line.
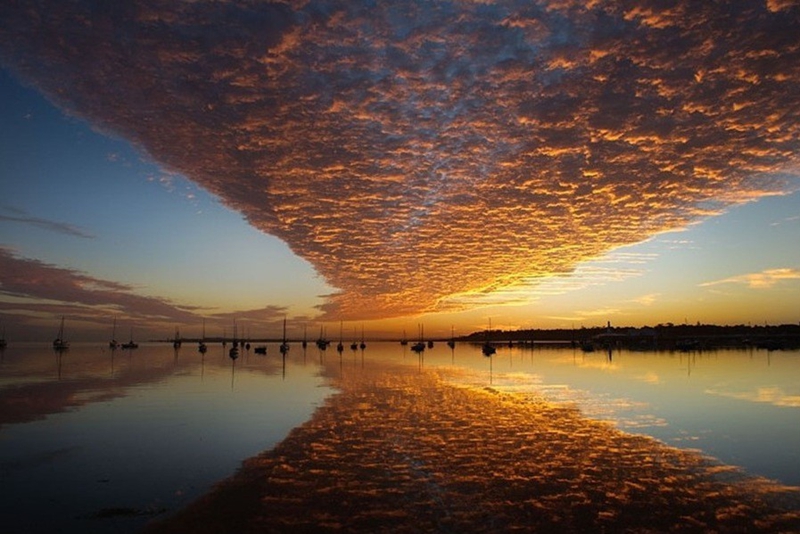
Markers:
284,345
340,346
261,349
177,342
488,349
234,351
59,343
322,343
113,344
201,345
130,344
419,346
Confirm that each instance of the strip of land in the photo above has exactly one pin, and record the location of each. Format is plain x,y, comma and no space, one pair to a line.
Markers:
400,449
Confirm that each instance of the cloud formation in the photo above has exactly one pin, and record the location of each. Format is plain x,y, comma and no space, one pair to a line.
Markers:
19,216
415,151
31,288
763,280
34,286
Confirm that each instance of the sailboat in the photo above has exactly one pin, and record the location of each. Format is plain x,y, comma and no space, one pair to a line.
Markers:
340,346
419,346
322,343
452,342
284,344
488,349
130,344
201,346
3,342
305,335
404,341
234,351
59,343
176,343
113,344
362,345
260,349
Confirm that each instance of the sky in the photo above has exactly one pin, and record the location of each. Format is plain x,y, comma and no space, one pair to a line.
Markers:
540,164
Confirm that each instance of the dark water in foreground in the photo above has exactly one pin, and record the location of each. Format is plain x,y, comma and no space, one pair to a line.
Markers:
95,441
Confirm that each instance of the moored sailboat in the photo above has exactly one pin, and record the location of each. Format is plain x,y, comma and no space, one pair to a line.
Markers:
233,353
419,346
284,345
130,344
201,345
59,343
488,349
452,341
177,341
322,342
114,344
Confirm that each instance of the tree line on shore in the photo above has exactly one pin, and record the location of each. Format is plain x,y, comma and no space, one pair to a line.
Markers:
666,336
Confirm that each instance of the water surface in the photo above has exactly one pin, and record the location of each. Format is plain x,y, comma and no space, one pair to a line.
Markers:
98,441
102,441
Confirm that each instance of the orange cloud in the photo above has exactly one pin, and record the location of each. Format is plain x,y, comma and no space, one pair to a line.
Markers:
416,152
763,280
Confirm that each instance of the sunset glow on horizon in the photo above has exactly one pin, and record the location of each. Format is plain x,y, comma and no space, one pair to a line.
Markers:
545,164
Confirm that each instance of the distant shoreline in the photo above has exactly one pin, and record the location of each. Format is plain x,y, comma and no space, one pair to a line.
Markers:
660,337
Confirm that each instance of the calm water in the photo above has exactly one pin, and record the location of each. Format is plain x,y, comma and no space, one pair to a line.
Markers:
95,441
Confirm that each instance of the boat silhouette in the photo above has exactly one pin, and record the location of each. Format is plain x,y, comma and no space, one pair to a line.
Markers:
176,342
59,343
322,343
113,344
488,349
233,353
340,346
130,344
284,345
419,346
201,345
